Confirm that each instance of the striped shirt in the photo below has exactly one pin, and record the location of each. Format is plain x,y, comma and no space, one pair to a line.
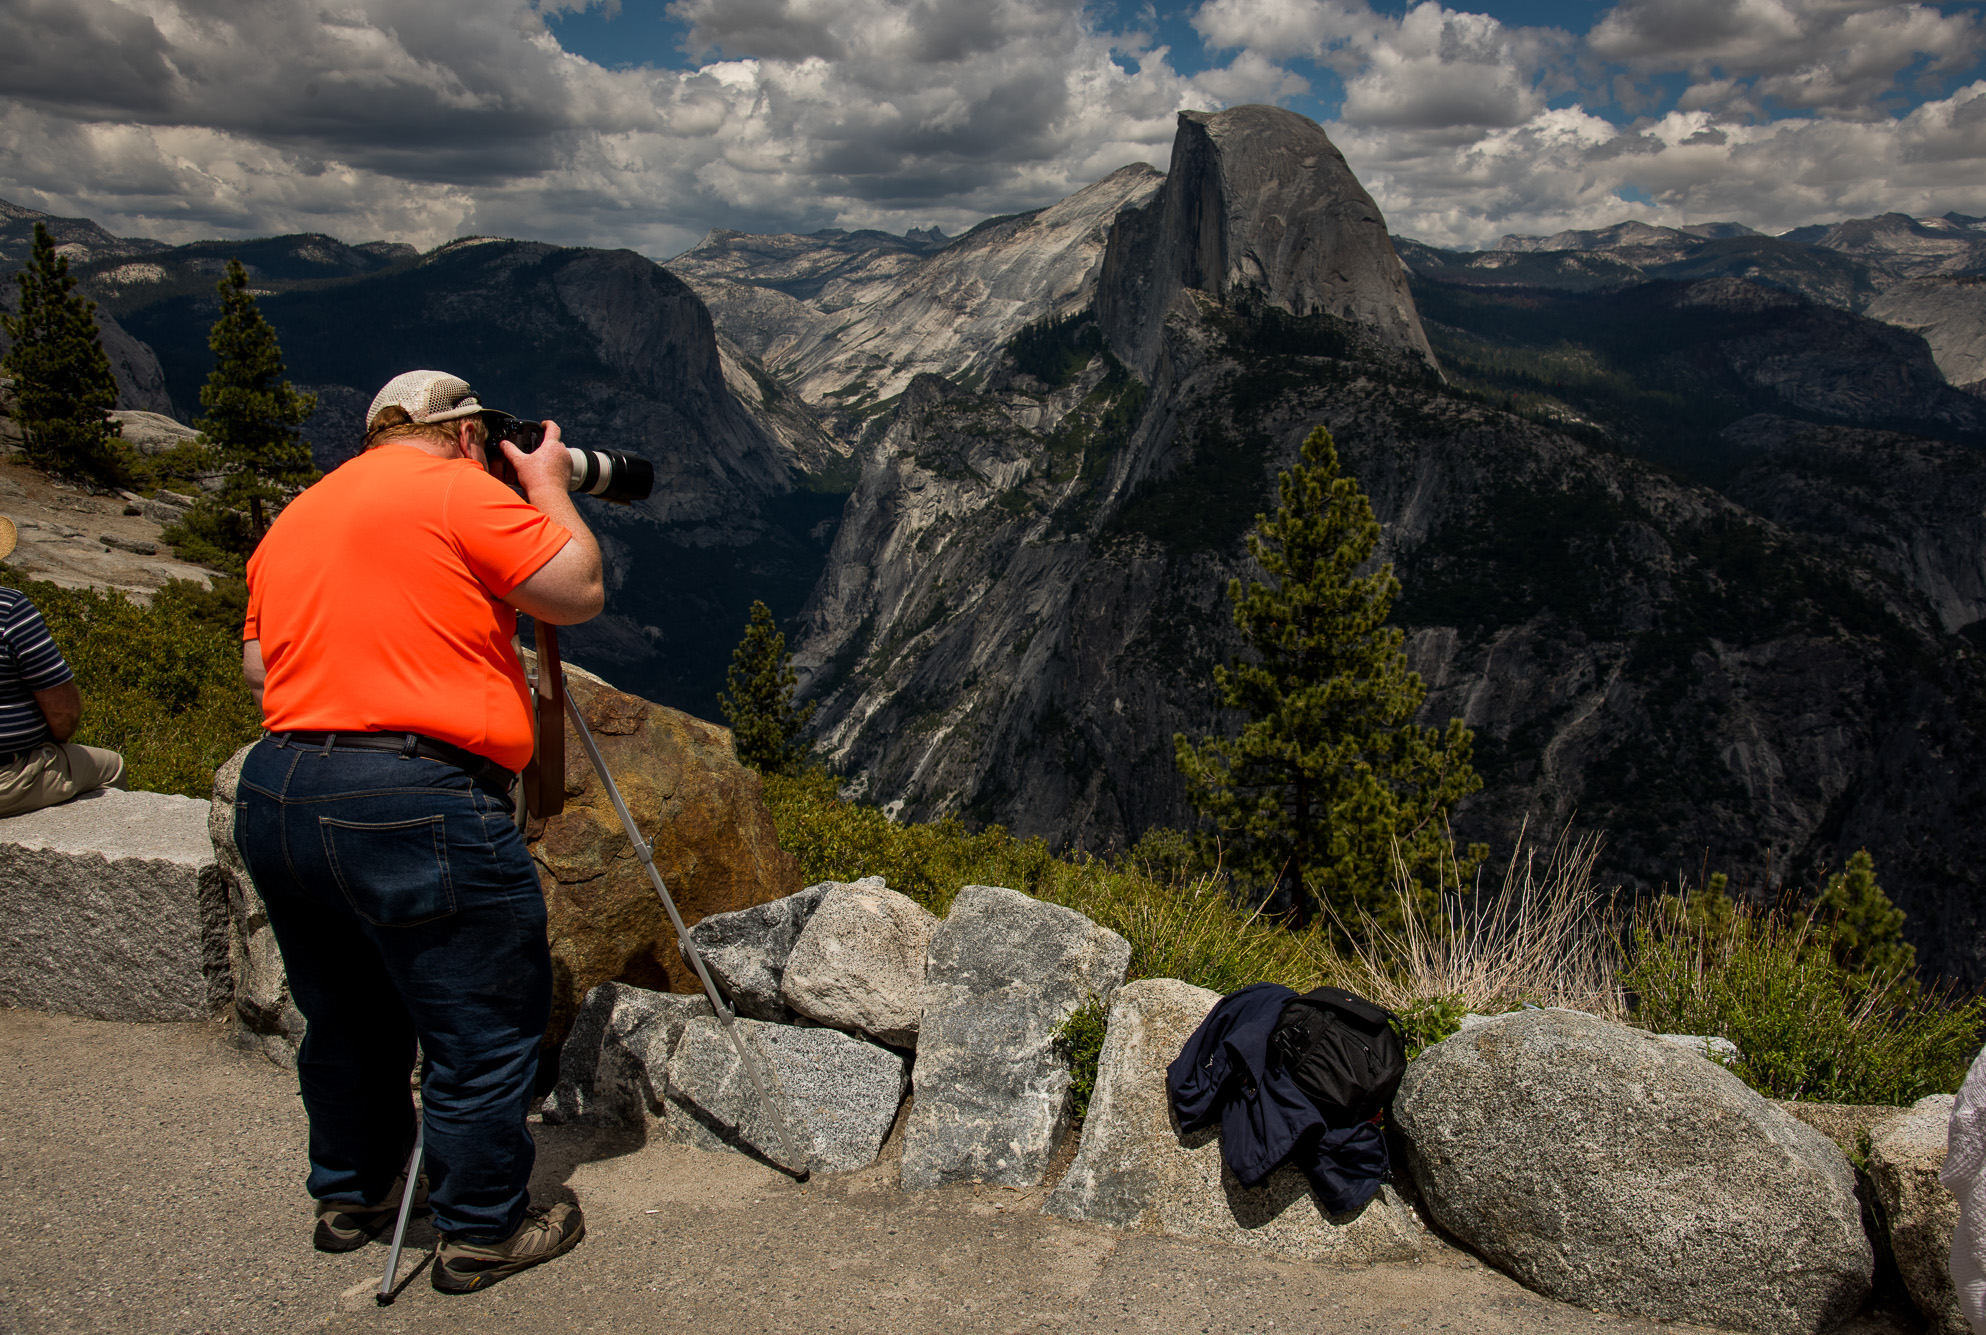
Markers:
29,662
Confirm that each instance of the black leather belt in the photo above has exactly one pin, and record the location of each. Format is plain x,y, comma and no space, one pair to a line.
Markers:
402,743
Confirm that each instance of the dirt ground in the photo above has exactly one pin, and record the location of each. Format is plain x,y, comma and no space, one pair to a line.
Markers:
151,1180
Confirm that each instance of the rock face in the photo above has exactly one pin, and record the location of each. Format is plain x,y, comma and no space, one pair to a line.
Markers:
714,845
843,1093
1256,197
1027,593
1919,1213
1912,508
112,907
991,1087
140,381
265,1019
1605,1167
614,1068
830,316
859,965
153,433
1135,1170
1950,314
746,950
1808,357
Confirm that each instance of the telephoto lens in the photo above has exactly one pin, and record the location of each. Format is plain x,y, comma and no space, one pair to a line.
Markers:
612,475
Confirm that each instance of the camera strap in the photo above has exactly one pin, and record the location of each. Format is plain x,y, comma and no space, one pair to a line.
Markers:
544,777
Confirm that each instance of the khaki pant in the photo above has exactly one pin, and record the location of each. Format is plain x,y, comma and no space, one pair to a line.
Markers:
55,772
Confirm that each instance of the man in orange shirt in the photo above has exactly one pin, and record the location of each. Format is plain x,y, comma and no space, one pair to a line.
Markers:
377,823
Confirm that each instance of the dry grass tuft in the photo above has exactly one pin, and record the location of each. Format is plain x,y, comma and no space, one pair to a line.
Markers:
1548,936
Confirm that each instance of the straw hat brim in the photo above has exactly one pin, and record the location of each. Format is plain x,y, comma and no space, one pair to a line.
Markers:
9,535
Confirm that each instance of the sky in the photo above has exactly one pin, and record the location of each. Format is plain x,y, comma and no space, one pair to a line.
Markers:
645,123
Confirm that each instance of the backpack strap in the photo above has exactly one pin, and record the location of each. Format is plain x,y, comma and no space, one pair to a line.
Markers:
1352,1004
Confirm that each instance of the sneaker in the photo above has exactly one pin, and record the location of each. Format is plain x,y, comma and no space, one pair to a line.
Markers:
344,1227
462,1266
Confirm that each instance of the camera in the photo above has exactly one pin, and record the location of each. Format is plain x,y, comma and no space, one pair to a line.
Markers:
612,475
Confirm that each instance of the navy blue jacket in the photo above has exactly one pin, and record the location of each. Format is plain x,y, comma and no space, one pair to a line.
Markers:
1224,1073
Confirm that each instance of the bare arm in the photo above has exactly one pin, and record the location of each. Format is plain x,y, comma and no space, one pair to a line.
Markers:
252,670
571,587
62,706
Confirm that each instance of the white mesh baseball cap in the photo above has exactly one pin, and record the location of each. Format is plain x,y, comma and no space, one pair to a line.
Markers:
427,396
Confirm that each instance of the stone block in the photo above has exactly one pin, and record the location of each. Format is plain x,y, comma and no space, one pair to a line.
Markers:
614,1067
265,1020
859,963
112,906
1604,1167
1919,1214
1136,1170
1843,1123
746,951
992,1085
841,1094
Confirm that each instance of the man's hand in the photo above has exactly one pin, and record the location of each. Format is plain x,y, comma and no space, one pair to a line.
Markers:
547,468
62,706
571,587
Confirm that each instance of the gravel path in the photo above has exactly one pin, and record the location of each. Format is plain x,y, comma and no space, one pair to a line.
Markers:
151,1180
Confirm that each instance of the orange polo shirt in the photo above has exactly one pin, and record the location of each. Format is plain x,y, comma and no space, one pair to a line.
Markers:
377,594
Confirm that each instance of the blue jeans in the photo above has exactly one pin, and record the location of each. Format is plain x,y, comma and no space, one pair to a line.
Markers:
406,908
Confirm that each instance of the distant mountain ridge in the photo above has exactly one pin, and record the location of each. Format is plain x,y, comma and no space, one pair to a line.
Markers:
1896,245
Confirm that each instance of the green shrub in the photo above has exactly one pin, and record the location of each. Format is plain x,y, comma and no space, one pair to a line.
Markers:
161,683
1806,1025
1427,1022
1080,1038
1178,928
210,534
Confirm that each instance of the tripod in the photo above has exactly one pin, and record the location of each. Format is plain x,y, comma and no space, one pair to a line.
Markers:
543,792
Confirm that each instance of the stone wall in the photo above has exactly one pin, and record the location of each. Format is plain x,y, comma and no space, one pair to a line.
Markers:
112,906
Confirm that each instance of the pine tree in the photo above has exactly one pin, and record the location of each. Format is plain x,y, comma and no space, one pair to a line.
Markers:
253,415
61,376
1868,929
758,699
1329,774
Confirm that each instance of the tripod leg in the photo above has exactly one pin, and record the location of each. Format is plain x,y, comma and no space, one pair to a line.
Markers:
385,1295
793,1163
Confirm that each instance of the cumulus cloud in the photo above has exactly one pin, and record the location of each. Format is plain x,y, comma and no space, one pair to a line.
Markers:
1433,67
229,115
1448,116
418,122
1841,57
1569,168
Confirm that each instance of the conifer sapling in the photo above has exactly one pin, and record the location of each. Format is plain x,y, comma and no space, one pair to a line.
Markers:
758,699
1868,929
253,415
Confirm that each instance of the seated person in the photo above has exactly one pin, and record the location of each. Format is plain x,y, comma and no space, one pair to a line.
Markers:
39,709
